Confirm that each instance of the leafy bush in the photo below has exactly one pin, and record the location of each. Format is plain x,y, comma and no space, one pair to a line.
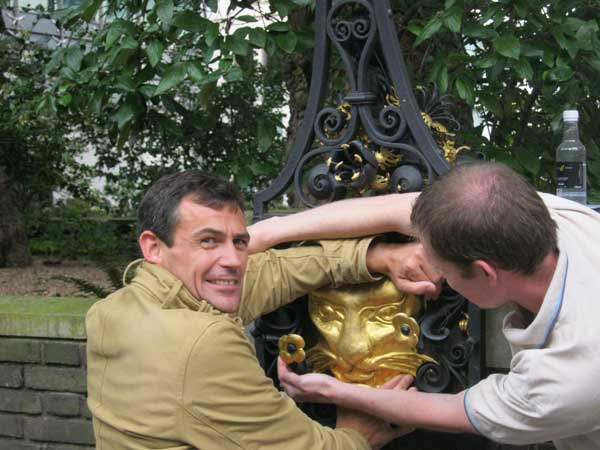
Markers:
75,229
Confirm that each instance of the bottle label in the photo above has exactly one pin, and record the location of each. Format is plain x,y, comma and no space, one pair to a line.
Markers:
569,175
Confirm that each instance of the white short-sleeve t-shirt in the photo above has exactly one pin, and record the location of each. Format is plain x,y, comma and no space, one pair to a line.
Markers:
552,391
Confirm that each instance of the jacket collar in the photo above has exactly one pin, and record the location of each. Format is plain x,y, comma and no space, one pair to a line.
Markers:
162,286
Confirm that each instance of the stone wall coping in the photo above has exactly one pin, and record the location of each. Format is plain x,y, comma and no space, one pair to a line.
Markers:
44,317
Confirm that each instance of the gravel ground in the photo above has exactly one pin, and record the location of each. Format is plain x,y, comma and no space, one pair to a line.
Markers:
37,279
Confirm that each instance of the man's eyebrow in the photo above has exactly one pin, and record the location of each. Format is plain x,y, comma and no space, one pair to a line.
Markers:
208,230
218,233
245,236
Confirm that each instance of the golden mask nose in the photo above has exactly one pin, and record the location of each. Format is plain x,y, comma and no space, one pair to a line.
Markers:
353,346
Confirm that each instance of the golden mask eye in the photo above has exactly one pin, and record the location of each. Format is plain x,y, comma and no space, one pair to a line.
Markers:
326,313
385,314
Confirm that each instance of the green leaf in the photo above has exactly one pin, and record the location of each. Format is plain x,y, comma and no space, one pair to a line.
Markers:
129,43
113,34
65,99
196,71
225,64
479,31
529,159
147,90
55,61
549,56
173,76
154,51
266,132
73,57
585,33
124,134
279,26
237,44
490,12
531,50
258,37
560,38
523,68
521,7
125,114
559,73
414,27
125,83
492,104
164,10
486,61
287,42
234,74
283,7
212,32
190,21
429,30
453,18
465,90
508,45
90,9
595,63
442,80
247,19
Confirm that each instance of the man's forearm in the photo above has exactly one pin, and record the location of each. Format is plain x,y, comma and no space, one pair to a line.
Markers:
443,412
342,219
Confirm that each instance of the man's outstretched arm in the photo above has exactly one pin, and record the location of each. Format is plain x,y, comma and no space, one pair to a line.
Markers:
442,412
341,219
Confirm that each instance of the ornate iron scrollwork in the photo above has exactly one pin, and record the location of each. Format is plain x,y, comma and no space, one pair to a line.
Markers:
376,137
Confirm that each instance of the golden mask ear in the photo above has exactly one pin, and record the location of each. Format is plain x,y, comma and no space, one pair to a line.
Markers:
406,330
151,247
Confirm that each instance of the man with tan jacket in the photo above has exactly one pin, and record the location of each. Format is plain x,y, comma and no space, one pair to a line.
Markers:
169,365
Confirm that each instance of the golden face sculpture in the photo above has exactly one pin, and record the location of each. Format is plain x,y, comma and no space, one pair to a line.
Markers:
369,332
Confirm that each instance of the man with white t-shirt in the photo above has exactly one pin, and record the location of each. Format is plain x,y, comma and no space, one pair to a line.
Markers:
496,241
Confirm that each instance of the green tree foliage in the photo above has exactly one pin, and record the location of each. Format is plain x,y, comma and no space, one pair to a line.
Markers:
37,151
517,63
147,50
234,134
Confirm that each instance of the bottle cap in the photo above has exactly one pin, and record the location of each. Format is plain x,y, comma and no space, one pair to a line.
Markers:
571,115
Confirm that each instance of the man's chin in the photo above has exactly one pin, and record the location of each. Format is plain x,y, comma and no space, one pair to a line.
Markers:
224,304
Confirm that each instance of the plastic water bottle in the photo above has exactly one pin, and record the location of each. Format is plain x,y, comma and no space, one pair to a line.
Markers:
571,174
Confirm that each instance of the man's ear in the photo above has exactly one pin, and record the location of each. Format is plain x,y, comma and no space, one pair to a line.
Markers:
151,247
487,269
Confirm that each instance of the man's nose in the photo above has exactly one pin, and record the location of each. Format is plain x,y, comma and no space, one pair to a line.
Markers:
231,256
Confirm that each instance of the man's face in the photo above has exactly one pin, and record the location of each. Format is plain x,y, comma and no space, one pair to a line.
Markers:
476,288
209,253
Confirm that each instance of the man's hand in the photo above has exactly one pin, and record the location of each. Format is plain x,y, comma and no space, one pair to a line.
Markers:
318,388
377,432
312,387
406,266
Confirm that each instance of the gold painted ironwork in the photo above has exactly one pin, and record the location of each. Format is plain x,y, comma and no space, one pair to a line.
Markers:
346,109
369,332
463,324
387,160
291,348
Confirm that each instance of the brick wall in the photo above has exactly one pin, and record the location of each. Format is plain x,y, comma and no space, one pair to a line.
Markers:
43,375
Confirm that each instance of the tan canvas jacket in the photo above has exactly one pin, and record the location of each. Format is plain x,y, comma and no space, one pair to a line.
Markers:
169,371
